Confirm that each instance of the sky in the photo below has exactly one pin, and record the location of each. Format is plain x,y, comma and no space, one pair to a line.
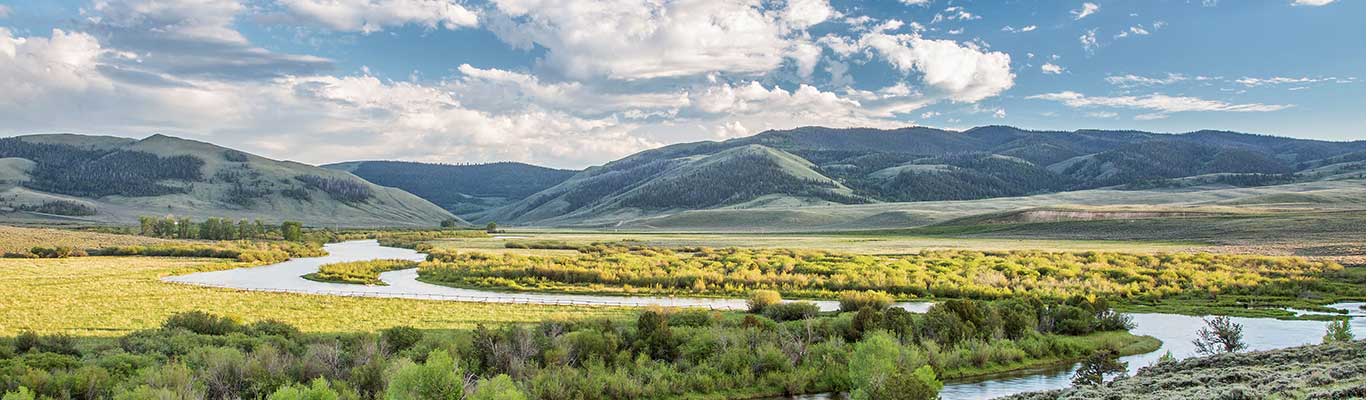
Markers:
572,84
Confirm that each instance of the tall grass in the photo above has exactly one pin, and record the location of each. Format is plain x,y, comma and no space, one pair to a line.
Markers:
358,272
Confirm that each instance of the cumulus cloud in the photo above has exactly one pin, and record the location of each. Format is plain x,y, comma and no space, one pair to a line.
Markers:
1160,104
964,73
56,83
1085,10
628,40
1051,69
369,16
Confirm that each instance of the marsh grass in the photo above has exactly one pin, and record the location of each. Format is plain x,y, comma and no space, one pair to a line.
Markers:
358,272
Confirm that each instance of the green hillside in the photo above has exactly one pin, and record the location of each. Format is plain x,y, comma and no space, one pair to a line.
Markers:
823,166
79,178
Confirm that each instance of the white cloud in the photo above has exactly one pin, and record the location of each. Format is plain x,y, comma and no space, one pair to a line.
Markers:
954,13
930,114
1000,113
1279,80
1102,114
1089,40
185,19
59,83
369,16
1051,69
1084,11
915,2
1028,28
1313,3
624,39
964,73
1159,103
1130,80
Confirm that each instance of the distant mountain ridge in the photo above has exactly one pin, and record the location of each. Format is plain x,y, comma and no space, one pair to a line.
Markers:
815,165
83,178
461,189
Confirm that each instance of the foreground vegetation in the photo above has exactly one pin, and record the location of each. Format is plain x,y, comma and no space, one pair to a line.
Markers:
1328,371
106,296
627,268
358,272
659,354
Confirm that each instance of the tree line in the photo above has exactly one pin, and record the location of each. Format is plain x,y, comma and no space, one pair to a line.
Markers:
215,228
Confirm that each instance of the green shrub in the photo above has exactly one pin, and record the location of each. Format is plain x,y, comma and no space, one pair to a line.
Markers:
854,301
760,299
791,311
202,323
400,338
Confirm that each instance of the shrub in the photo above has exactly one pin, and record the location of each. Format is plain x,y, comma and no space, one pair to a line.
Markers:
1338,331
437,378
791,311
1097,366
400,338
1220,335
274,327
202,323
317,390
691,318
854,301
760,299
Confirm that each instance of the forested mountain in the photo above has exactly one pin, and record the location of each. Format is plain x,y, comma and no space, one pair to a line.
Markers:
815,165
461,189
109,179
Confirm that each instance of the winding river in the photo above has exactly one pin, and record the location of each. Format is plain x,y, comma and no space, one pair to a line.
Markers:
1176,331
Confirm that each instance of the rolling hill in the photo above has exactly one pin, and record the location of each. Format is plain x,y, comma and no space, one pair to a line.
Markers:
464,190
101,179
823,166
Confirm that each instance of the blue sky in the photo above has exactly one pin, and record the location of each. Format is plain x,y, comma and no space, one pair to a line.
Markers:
578,83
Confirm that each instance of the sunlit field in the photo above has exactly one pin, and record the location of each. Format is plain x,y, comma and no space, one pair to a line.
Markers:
114,295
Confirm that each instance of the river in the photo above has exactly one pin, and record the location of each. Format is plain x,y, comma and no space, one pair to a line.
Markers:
1176,331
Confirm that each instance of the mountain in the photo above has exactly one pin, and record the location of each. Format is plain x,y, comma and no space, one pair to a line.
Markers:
824,166
465,190
84,178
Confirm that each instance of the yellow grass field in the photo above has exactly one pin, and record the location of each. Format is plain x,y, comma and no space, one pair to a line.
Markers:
108,296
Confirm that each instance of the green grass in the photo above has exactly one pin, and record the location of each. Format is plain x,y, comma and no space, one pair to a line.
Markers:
1124,343
358,272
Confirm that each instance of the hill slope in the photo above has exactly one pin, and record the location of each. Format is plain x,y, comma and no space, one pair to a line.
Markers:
465,190
814,165
82,178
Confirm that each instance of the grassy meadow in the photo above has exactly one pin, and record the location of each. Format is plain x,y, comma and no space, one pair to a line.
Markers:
104,296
